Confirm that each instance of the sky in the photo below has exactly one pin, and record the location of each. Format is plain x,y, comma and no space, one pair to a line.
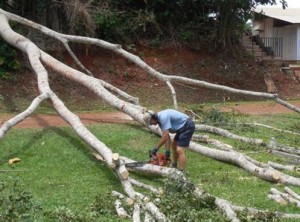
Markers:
291,4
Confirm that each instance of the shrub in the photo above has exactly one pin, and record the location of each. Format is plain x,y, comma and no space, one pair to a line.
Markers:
8,60
17,204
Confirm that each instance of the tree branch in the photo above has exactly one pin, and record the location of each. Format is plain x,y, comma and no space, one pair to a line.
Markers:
20,117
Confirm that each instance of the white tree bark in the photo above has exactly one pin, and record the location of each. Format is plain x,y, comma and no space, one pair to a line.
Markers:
262,171
273,128
292,193
19,118
136,213
173,94
283,167
283,198
226,133
120,210
145,186
226,207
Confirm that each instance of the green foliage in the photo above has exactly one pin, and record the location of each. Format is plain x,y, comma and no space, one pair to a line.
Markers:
108,25
216,117
16,204
8,60
219,21
180,204
103,204
65,214
265,216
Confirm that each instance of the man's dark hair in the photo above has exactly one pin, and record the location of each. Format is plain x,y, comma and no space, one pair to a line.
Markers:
153,115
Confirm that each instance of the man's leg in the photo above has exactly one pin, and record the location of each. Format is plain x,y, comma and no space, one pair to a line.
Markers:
175,155
181,157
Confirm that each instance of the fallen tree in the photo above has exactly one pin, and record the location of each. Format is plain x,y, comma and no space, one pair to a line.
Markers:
41,61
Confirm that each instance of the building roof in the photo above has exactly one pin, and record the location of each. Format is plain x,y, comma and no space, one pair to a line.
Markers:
291,15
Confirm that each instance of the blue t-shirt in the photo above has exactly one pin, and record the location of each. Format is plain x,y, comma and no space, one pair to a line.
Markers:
171,120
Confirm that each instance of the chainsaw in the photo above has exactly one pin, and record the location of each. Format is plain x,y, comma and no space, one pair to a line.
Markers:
155,159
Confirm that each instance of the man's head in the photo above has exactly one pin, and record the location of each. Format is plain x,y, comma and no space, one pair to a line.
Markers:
150,117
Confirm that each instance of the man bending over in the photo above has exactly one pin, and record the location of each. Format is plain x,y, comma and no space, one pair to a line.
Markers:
172,121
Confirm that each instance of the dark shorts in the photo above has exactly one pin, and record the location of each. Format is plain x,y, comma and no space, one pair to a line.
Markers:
184,134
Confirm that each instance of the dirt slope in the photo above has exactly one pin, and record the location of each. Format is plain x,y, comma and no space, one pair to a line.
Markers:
16,94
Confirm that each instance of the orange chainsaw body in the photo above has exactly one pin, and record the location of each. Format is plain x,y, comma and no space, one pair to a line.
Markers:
159,159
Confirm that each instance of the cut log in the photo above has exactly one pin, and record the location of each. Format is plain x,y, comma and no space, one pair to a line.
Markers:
145,186
128,200
225,206
286,155
136,213
283,167
148,218
292,193
285,196
156,213
277,199
120,210
276,175
98,156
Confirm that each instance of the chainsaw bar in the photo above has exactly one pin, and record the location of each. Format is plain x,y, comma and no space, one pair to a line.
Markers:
136,164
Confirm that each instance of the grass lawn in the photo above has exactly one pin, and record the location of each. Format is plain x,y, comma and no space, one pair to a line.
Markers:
60,172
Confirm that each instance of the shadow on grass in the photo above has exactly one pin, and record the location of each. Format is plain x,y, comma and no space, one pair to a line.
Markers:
63,132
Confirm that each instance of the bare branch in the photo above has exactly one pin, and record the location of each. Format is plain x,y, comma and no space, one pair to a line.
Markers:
19,118
120,210
226,133
273,128
285,197
292,193
173,94
283,167
76,59
266,173
286,155
131,99
225,206
145,186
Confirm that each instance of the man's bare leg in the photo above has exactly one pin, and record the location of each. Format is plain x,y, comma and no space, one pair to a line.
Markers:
181,157
175,155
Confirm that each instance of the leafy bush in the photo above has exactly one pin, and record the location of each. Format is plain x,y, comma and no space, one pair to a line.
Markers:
216,117
64,214
16,204
8,60
261,217
180,204
108,25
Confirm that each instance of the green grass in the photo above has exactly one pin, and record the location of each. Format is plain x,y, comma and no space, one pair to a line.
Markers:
58,169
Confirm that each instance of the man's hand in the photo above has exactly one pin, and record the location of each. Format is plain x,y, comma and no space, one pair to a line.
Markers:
153,152
168,154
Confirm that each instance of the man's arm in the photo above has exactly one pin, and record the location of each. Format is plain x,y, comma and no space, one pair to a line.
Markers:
165,139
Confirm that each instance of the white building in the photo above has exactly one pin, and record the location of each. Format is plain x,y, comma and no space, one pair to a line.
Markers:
279,30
